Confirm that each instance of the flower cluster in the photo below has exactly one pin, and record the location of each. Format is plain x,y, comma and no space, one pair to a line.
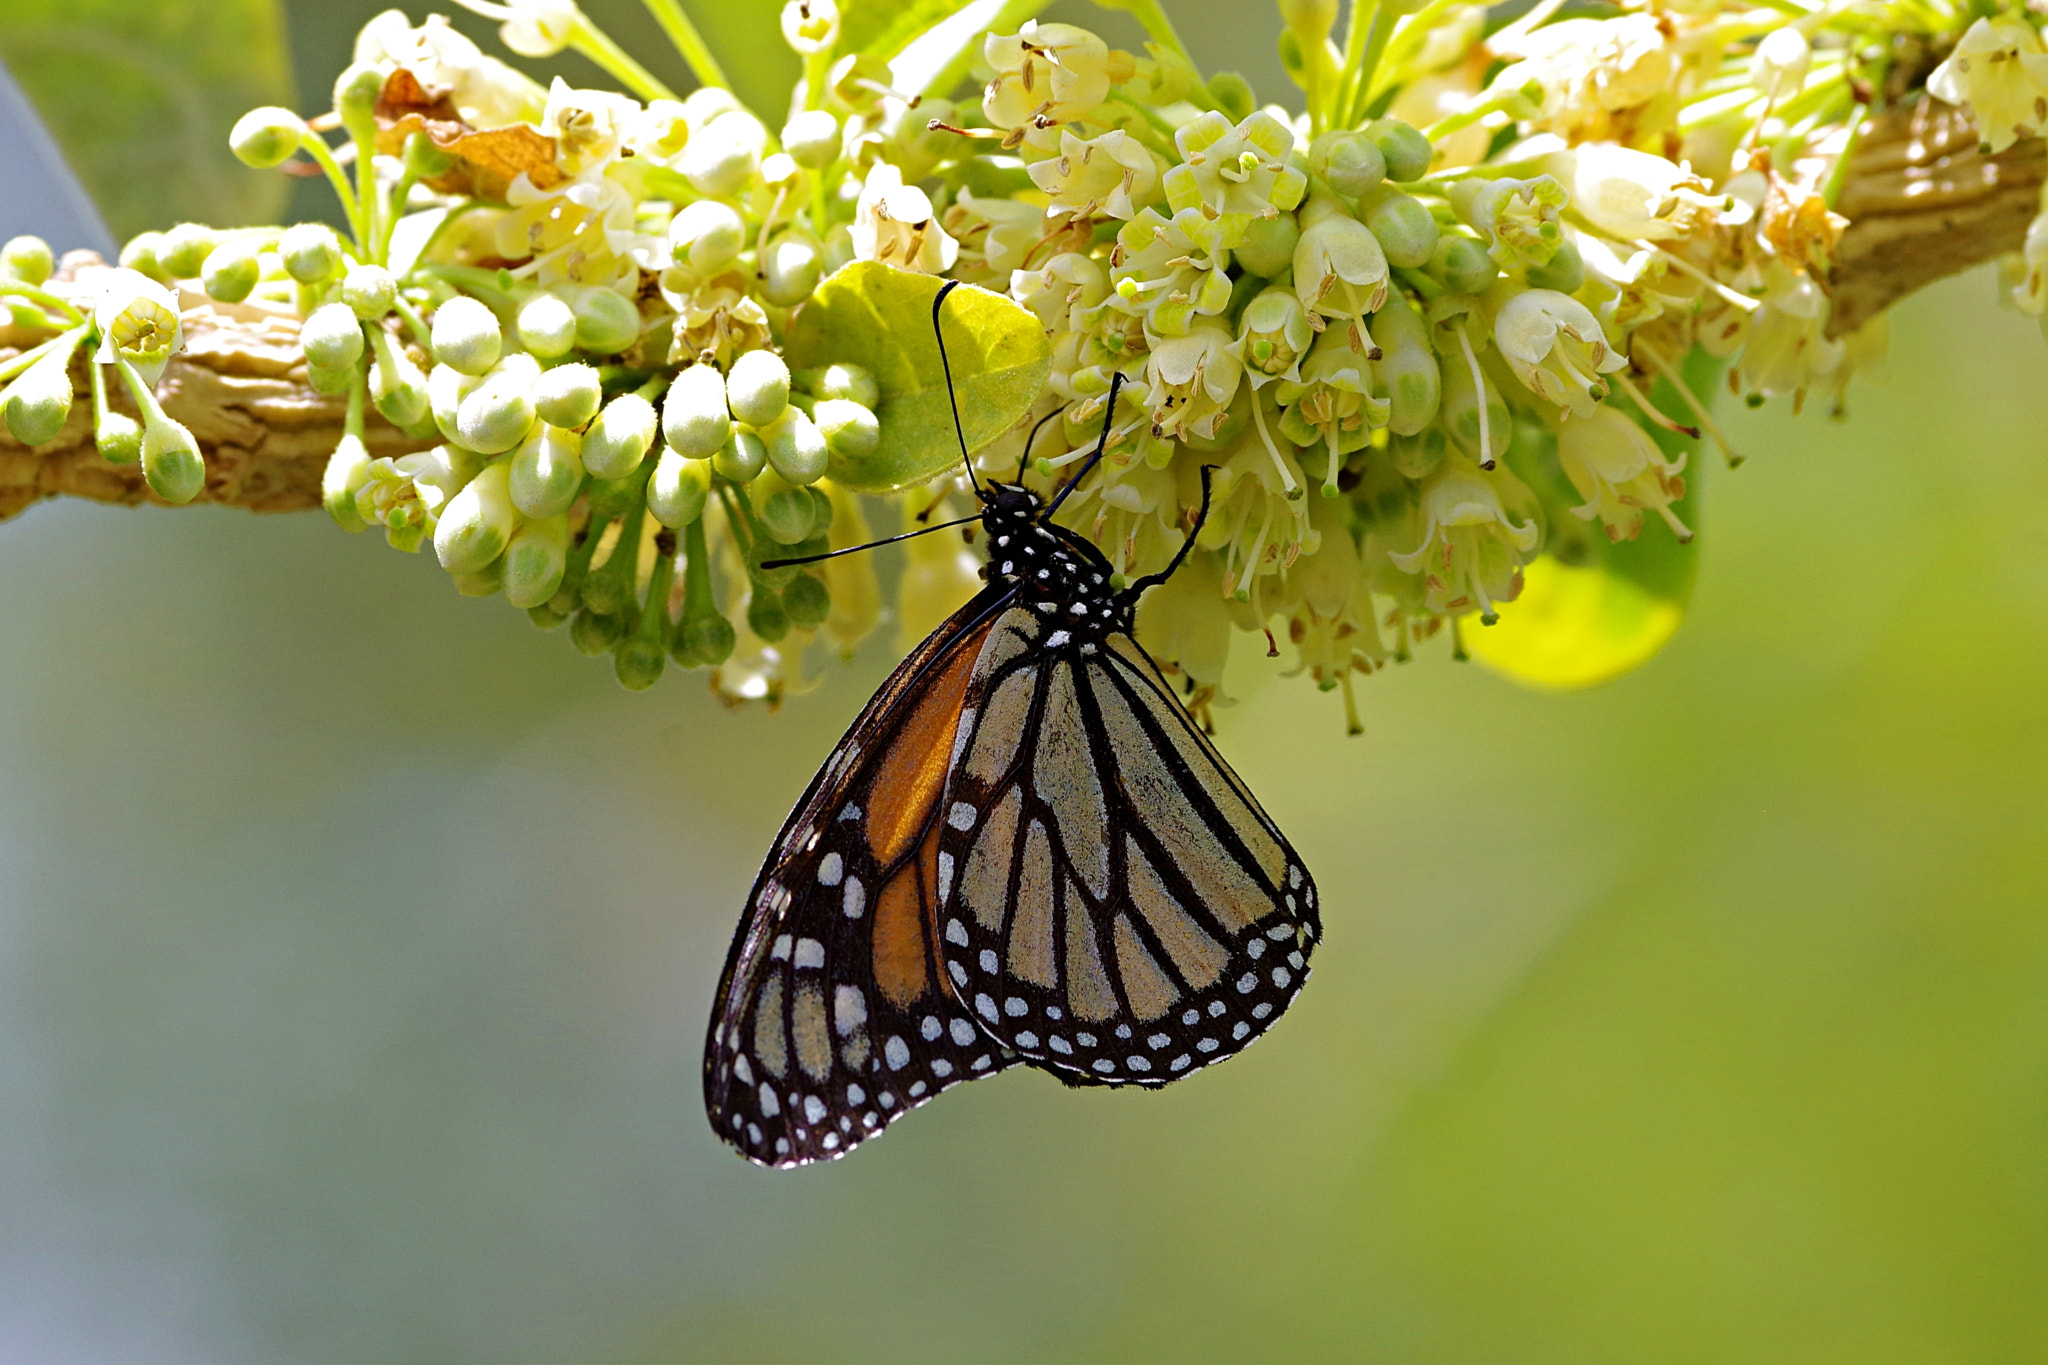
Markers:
1412,330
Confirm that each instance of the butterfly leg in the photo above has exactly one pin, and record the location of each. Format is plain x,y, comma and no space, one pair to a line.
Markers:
1116,381
1137,589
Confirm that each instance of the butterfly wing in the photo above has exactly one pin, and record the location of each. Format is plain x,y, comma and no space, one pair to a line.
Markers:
832,1018
1115,906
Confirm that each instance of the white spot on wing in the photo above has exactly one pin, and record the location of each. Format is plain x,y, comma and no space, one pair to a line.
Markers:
830,870
810,953
897,1052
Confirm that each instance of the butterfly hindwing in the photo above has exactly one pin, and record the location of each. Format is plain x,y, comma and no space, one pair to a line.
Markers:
1115,906
832,1017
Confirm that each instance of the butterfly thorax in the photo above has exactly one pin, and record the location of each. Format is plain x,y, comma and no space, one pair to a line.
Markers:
1051,570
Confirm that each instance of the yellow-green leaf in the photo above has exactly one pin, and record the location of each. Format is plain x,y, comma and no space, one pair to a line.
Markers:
875,315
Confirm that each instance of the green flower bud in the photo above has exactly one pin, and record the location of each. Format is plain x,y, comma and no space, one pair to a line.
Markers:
1564,272
1461,412
144,254
594,633
311,252
266,138
850,430
488,581
355,99
567,395
606,322
693,416
1349,161
786,512
547,326
644,653
1417,455
1407,368
705,640
396,385
535,559
619,439
171,463
1406,231
1407,152
477,522
544,616
547,471
425,161
330,382
446,388
609,588
1233,95
707,236
185,249
466,336
498,413
37,402
765,616
724,155
332,337
27,259
230,272
742,457
678,489
854,382
812,139
790,268
119,437
1274,333
796,448
369,290
1464,265
757,388
1310,20
348,469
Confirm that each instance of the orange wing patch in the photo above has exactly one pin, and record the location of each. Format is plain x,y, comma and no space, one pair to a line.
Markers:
907,785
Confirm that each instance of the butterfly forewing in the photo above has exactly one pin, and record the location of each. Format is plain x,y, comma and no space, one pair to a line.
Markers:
832,1017
1114,904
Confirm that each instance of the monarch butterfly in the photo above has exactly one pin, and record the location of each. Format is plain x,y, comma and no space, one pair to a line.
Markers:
1022,851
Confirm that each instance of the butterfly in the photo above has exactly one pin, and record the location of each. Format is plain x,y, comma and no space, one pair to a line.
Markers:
1022,851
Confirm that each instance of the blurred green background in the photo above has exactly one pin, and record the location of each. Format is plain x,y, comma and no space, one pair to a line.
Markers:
356,941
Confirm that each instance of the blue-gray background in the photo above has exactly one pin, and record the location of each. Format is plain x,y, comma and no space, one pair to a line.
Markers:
355,943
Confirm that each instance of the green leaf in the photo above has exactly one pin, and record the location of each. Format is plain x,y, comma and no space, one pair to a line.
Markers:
141,94
871,314
1592,610
930,44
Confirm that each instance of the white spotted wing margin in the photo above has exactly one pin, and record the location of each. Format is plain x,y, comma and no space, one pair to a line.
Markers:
1115,905
833,1017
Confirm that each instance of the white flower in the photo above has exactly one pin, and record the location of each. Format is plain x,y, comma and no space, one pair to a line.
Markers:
2000,74
588,126
1191,380
1472,547
1787,349
1114,173
531,28
1341,272
2030,291
1633,195
1591,69
1555,347
893,223
1008,228
485,91
1778,66
1621,473
138,322
584,231
1049,73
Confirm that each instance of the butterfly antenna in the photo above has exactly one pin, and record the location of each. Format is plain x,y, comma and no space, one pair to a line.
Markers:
939,333
856,549
1108,419
1037,427
1137,588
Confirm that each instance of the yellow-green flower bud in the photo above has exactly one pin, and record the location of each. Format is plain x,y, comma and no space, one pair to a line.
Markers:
466,336
547,326
119,437
568,395
171,463
1408,368
796,448
498,413
786,515
355,99
1463,265
678,489
425,161
609,588
725,154
693,417
230,272
707,236
1233,94
38,401
137,319
329,382
1564,272
742,457
619,439
644,653
757,388
606,322
348,469
841,380
185,249
547,471
396,385
850,429
332,337
144,255
535,559
1405,151
595,632
27,259
477,522
370,290
1348,161
1417,454
488,581
268,137
311,253
1340,270
812,139
790,268
1461,412
765,616
446,388
1405,229
810,26
1273,335
1309,20
1268,245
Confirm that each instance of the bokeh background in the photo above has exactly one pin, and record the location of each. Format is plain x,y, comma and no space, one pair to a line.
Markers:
356,941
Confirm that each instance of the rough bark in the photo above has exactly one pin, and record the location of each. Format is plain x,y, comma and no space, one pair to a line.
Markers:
1922,202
